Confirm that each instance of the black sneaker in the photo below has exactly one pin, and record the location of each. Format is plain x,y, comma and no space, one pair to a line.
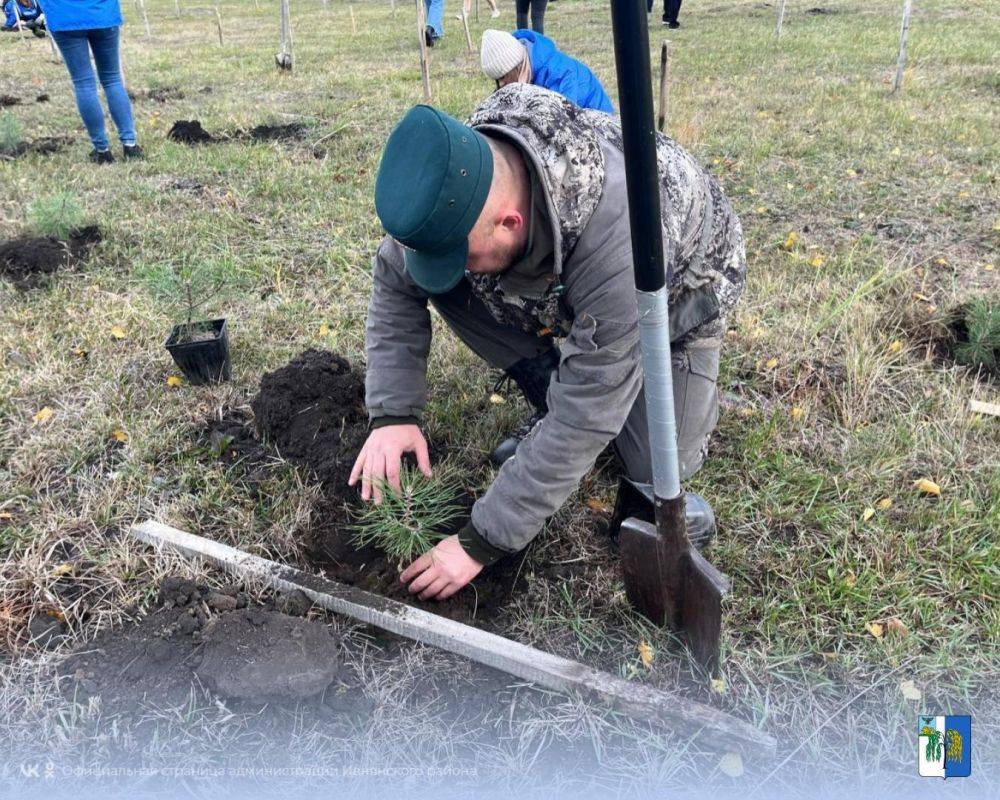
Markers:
429,36
672,25
132,152
102,157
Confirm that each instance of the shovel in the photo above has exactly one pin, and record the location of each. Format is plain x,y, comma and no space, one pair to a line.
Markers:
666,578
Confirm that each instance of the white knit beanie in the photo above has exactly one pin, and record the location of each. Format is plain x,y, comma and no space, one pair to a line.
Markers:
501,52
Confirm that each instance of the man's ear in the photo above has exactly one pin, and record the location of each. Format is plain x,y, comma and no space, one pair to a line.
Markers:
511,221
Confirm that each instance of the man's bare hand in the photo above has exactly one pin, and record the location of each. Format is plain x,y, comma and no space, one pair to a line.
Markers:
442,571
379,460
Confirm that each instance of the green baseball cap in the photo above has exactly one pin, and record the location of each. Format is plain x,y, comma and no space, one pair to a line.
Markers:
432,185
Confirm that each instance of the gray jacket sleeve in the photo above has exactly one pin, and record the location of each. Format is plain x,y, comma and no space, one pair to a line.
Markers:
397,338
598,380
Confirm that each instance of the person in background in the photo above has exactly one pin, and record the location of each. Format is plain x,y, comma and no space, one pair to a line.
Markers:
467,9
28,12
434,28
81,28
671,10
529,57
537,11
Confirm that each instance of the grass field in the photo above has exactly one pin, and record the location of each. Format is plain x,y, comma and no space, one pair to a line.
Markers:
848,582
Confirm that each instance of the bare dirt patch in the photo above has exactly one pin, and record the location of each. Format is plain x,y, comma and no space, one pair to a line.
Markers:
30,261
45,146
204,638
191,132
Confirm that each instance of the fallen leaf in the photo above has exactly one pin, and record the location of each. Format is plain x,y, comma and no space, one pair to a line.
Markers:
921,297
62,569
117,332
884,503
174,381
895,625
324,330
868,514
6,516
941,261
851,579
719,685
790,241
875,629
119,435
645,653
928,487
79,352
771,363
596,505
816,261
731,765
497,399
796,413
895,346
43,415
910,690
988,267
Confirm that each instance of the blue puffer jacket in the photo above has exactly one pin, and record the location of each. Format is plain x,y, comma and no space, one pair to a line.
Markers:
553,69
81,15
27,14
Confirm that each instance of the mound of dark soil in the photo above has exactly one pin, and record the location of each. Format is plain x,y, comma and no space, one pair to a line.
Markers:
312,411
45,146
9,100
202,637
42,98
192,132
268,133
28,262
189,131
163,94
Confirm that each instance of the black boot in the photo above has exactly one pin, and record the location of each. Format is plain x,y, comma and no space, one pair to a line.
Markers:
429,36
532,375
102,157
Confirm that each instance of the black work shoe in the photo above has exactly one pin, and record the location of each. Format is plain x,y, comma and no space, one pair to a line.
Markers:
132,152
506,449
429,36
672,25
102,157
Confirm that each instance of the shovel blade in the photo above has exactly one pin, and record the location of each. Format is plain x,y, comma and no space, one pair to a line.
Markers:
674,586
701,614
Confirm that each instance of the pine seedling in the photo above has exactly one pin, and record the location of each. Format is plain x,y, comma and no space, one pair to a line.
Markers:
409,523
981,347
10,133
56,215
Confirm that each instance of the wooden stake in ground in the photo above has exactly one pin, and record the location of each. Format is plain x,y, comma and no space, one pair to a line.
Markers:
285,58
354,24
901,61
326,7
468,36
218,23
55,50
424,67
177,8
20,22
145,16
688,718
781,18
661,119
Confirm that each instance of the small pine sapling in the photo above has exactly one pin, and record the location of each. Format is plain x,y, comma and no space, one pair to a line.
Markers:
58,215
979,335
10,134
410,522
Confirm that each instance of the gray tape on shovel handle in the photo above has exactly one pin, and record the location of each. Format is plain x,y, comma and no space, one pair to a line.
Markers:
658,384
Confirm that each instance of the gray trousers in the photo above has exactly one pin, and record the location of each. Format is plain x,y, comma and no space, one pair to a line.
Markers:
695,372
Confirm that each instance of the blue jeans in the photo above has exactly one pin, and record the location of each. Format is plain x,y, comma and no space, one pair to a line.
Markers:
76,47
435,16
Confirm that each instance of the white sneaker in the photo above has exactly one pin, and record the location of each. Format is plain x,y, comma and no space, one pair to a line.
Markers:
495,13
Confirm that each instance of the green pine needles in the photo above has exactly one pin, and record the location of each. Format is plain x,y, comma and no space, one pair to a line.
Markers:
980,346
409,523
57,215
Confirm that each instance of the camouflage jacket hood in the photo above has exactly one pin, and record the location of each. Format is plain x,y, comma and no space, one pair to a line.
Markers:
564,144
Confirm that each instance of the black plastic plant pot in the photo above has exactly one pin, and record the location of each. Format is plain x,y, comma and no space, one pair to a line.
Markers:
203,358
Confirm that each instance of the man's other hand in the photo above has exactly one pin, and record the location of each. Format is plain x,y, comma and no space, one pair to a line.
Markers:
379,460
442,571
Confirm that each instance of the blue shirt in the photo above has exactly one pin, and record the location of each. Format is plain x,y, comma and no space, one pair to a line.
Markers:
27,14
81,15
552,69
